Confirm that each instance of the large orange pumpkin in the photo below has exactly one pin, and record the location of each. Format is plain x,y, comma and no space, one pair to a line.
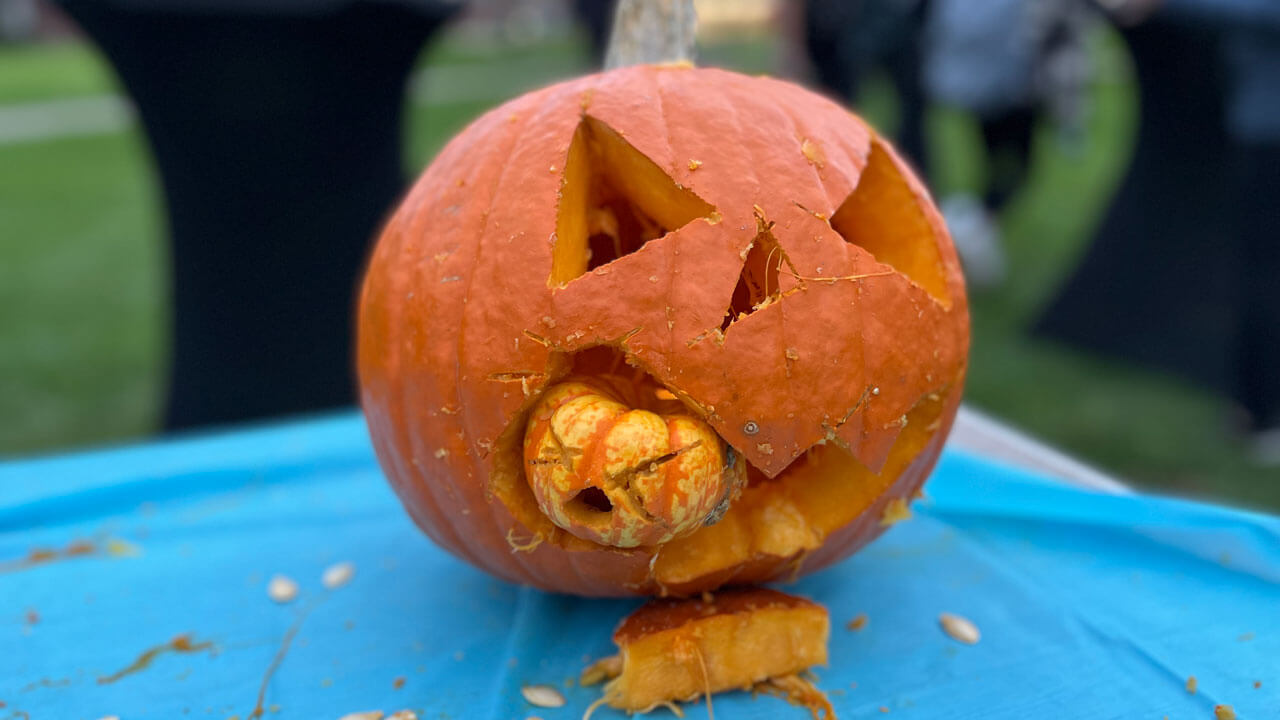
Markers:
749,256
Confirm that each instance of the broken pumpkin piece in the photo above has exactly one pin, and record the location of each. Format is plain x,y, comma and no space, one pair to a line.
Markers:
679,650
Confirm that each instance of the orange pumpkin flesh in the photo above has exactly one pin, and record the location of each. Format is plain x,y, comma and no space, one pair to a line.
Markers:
678,650
748,248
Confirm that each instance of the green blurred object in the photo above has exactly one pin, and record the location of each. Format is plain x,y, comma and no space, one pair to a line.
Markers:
82,261
45,72
81,292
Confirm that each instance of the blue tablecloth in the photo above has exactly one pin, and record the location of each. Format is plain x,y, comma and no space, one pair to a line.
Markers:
1090,606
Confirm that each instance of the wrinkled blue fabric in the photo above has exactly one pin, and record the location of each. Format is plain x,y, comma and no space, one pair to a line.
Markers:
1089,605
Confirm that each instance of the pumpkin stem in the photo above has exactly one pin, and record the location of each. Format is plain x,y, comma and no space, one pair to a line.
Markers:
626,474
652,32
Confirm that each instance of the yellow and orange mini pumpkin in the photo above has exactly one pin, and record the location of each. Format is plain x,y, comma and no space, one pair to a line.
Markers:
661,329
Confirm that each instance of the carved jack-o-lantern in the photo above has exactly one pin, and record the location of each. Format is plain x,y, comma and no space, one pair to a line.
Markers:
658,330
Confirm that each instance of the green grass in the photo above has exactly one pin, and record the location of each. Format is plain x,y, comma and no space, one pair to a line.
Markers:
82,296
45,72
81,299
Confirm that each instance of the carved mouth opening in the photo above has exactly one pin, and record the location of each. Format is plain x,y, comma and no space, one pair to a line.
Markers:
591,500
787,516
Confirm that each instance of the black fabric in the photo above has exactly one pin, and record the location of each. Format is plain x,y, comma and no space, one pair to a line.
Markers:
848,39
596,17
1255,193
1007,138
1158,284
278,144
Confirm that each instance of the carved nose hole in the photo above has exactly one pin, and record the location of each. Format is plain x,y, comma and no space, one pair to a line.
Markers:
760,283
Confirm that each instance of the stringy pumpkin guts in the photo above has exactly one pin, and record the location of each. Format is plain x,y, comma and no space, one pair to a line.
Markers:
625,476
678,650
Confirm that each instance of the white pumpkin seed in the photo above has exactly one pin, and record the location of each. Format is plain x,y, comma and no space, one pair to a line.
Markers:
282,589
542,696
366,715
961,629
336,576
403,715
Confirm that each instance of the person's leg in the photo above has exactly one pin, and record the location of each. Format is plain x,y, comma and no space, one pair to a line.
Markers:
1257,229
278,143
904,64
1008,137
596,17
826,38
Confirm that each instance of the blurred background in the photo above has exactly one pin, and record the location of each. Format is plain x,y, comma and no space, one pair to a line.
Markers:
1088,156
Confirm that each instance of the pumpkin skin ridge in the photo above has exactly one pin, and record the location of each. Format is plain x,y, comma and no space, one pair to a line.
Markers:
804,130
521,113
643,350
463,548
442,533
460,145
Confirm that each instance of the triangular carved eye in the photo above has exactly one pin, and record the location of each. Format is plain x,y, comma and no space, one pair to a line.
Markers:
613,200
883,217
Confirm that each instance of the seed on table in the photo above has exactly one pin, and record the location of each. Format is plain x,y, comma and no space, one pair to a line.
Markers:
542,696
335,576
961,629
282,589
366,715
403,715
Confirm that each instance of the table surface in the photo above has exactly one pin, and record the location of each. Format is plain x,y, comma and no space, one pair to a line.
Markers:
978,433
1090,604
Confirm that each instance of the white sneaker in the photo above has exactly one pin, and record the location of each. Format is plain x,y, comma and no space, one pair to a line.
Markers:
1264,447
977,239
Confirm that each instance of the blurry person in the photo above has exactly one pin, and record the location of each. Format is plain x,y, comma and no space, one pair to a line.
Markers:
1183,272
1006,62
19,20
1253,125
847,40
596,17
276,129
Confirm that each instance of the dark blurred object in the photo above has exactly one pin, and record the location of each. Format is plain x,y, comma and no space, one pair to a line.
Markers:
1007,63
1183,272
1253,124
597,17
276,129
847,40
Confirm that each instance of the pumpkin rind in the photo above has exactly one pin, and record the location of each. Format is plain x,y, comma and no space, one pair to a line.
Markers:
461,325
